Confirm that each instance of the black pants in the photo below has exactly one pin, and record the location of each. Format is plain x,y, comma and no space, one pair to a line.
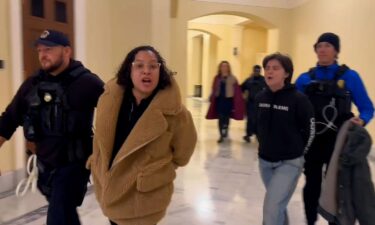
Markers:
251,118
223,125
224,108
317,157
64,189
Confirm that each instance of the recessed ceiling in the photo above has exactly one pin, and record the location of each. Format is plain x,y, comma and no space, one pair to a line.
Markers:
263,3
221,19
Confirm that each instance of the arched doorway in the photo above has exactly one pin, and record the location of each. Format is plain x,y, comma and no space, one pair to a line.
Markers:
224,36
202,54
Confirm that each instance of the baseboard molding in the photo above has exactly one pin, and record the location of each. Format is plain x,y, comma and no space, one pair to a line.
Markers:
372,154
9,180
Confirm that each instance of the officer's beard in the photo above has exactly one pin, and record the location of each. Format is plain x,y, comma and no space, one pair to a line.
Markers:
55,66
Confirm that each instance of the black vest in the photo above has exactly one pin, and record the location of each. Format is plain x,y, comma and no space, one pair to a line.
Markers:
49,115
48,108
331,101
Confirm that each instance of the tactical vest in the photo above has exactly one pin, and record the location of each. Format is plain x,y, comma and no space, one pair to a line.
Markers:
50,115
331,101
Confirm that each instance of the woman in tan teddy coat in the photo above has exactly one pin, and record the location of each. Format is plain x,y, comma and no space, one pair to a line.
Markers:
143,134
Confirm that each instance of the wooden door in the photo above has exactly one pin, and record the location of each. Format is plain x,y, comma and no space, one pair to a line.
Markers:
39,15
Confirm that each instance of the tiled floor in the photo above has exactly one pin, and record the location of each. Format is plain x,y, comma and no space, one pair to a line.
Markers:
221,185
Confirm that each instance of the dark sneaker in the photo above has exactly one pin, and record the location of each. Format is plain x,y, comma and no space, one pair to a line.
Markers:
247,139
221,139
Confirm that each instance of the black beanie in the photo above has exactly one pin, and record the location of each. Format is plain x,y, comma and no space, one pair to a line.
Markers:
331,38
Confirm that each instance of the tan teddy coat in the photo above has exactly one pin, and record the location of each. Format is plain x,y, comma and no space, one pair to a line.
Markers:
138,187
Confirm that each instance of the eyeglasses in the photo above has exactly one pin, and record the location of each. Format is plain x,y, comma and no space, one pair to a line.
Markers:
142,66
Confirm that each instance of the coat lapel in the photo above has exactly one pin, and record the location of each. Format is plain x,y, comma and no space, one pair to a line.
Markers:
150,125
107,120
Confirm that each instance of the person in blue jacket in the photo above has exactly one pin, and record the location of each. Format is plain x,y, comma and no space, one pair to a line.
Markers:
332,88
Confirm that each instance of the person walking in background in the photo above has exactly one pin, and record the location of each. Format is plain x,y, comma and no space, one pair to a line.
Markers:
143,134
251,87
332,89
55,106
226,99
285,130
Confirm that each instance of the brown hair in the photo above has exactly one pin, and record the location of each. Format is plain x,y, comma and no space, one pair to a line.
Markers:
284,60
219,67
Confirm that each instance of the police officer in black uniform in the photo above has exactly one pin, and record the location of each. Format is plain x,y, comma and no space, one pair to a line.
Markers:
55,106
331,88
252,86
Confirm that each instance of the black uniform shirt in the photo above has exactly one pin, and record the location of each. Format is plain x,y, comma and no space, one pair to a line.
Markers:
82,95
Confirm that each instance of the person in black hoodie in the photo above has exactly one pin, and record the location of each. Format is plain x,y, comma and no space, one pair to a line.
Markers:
55,106
285,129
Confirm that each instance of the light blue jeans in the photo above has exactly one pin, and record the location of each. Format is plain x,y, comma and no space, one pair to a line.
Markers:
280,179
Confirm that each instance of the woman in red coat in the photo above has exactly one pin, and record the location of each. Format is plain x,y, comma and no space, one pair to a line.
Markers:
226,99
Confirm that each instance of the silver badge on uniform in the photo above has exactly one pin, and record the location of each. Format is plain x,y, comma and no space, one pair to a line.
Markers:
47,97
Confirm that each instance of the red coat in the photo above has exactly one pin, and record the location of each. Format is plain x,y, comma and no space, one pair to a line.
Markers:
238,101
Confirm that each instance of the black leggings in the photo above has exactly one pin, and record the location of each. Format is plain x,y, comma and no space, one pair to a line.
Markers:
223,125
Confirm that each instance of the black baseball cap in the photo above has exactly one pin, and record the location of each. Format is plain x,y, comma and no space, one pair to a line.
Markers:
52,38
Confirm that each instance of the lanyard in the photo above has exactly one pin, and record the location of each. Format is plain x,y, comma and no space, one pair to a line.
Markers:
31,180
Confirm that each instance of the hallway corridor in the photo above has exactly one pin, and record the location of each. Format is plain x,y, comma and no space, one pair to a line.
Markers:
220,186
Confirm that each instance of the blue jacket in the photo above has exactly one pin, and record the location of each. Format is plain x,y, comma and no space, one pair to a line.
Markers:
353,84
